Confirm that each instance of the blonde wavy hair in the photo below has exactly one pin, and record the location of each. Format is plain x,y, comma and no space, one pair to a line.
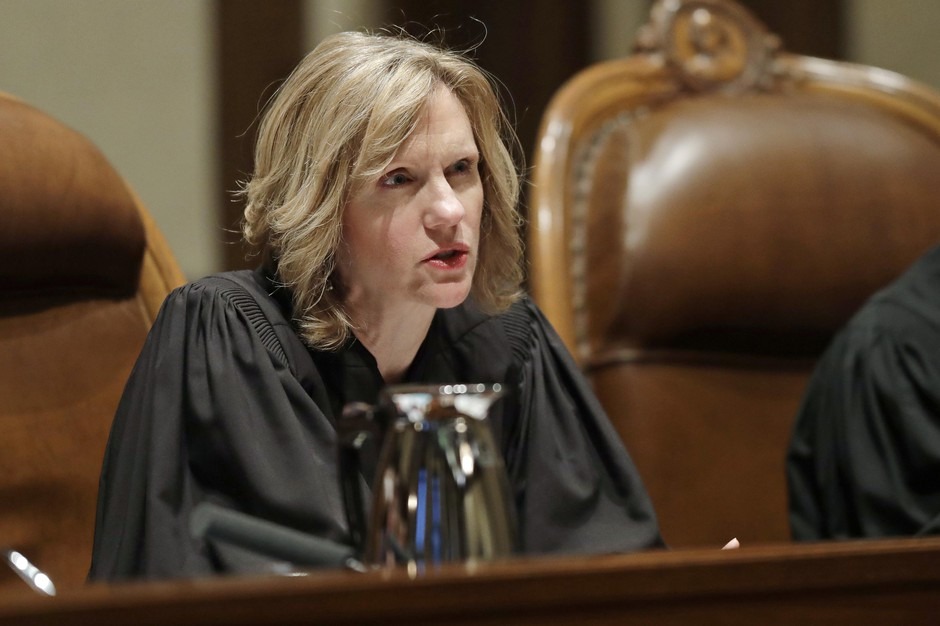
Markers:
336,122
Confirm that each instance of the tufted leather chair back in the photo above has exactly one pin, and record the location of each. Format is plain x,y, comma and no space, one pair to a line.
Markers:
705,214
83,271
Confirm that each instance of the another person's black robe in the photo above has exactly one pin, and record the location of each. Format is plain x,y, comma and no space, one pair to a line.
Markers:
864,460
212,413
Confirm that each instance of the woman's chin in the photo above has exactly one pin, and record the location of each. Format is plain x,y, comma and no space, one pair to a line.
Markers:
449,296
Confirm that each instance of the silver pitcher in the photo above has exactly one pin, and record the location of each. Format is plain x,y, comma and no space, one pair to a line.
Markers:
440,492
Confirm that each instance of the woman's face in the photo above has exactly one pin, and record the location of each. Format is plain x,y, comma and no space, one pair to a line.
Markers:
412,235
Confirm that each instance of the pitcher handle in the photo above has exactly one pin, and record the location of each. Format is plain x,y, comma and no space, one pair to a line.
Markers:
354,428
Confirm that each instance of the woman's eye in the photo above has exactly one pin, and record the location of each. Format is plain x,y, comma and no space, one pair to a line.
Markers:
462,166
394,179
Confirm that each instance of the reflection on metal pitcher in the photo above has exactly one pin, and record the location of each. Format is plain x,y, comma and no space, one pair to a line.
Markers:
441,492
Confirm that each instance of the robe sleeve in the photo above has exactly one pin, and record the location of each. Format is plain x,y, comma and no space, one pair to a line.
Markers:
209,415
577,487
864,458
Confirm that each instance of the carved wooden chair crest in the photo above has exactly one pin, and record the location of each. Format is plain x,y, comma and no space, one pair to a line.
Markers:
705,214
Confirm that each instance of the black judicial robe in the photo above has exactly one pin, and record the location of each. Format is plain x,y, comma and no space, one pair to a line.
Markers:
864,460
212,413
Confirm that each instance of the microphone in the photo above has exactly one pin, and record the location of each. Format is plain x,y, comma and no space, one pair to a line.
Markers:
210,521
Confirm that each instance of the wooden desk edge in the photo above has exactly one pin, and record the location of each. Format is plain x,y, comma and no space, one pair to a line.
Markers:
890,578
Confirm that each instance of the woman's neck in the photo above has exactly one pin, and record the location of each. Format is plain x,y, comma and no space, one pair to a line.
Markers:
393,339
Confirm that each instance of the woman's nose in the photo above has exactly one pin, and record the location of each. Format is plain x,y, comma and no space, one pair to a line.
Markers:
443,208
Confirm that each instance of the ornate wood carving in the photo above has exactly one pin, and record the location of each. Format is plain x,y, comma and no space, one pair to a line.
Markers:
710,44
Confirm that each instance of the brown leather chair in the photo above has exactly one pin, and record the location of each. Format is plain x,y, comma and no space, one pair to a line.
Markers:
704,215
83,271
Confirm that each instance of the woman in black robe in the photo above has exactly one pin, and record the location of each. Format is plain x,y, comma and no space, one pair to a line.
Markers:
384,196
864,460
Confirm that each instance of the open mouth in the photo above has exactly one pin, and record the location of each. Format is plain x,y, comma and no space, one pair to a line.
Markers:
447,254
452,258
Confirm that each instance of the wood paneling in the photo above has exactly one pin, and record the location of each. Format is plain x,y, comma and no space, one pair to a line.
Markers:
812,27
258,44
